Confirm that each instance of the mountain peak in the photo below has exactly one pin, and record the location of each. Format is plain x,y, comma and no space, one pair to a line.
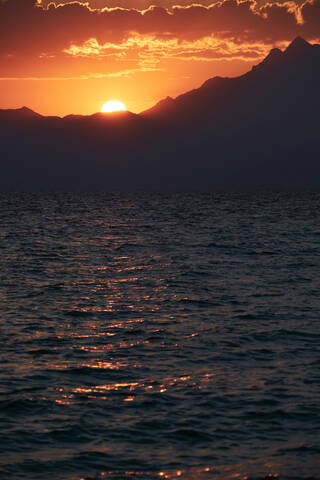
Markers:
161,106
298,46
25,112
274,55
22,113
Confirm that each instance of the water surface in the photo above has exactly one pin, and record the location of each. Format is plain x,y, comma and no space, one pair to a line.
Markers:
160,336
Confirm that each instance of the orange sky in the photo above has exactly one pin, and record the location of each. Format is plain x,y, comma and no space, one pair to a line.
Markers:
73,57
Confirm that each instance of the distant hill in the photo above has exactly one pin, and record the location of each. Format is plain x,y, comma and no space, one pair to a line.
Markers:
254,131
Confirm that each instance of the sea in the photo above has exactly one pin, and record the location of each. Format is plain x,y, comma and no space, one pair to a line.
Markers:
160,336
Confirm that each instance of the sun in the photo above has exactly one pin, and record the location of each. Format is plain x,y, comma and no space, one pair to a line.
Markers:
113,106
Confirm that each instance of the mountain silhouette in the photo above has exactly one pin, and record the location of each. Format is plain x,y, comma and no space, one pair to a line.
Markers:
277,71
23,113
253,131
299,46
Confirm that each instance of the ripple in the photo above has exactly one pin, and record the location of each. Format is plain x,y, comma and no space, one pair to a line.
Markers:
160,336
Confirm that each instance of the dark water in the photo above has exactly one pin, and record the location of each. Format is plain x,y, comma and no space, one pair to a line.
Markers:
154,336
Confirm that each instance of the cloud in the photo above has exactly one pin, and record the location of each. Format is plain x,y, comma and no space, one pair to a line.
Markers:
226,29
130,4
148,49
310,12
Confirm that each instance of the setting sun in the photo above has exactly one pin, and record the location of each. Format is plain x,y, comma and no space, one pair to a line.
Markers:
113,106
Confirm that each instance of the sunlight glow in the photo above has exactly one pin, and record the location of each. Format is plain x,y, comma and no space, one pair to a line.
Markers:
113,106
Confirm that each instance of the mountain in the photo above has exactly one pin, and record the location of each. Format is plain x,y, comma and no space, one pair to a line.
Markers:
252,131
23,113
299,63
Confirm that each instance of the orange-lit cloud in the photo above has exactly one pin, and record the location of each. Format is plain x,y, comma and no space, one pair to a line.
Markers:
148,50
27,29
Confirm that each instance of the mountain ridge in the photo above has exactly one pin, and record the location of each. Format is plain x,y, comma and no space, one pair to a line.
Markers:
258,129
274,60
297,47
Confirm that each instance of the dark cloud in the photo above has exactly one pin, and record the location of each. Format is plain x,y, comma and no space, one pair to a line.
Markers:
310,12
144,4
30,30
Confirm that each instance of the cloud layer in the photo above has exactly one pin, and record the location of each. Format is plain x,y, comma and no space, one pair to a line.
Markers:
142,39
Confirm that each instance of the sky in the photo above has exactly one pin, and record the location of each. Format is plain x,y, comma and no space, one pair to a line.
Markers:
67,57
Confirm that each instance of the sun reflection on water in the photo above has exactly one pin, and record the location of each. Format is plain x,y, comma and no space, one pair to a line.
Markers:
137,389
193,473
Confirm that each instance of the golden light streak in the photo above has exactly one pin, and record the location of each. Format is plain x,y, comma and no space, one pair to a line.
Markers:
149,50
